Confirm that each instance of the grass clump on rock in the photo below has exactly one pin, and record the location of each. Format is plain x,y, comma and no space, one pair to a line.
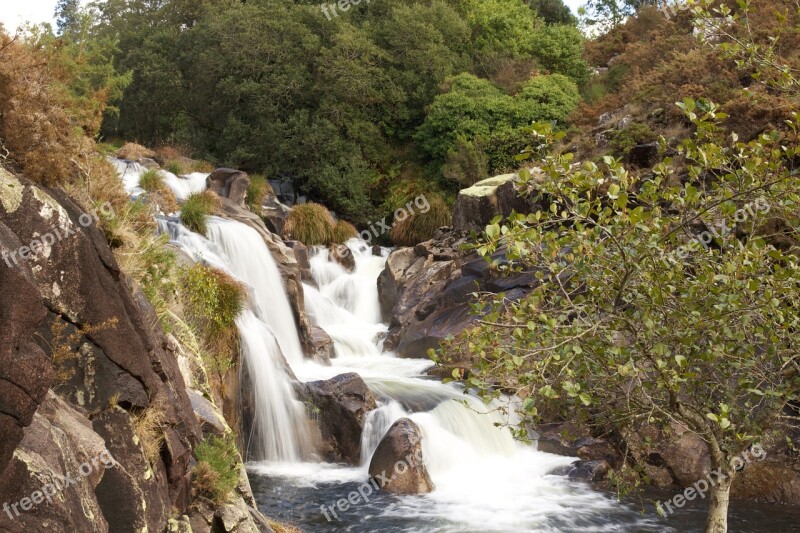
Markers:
216,475
311,224
195,210
213,300
343,231
258,189
419,227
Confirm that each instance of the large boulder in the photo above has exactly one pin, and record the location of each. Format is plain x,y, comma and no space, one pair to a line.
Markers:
341,405
398,463
476,206
229,183
426,292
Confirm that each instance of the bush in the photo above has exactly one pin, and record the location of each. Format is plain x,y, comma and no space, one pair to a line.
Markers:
258,189
625,139
195,210
216,475
133,151
151,181
343,231
213,300
420,226
311,224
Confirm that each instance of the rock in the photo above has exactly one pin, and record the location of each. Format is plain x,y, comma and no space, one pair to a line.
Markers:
87,334
211,419
644,155
275,214
341,405
589,470
343,255
229,183
393,278
398,464
323,348
303,261
478,205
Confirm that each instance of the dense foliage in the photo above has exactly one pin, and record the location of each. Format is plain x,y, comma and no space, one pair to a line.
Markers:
336,103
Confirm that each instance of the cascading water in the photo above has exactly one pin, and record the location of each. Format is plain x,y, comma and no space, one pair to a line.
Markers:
485,481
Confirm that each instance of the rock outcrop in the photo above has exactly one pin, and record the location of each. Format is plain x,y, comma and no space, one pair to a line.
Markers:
81,366
476,206
398,464
426,292
340,406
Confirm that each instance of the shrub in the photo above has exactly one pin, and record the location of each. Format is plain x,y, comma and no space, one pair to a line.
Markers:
625,139
195,210
311,224
216,475
420,226
343,231
258,189
213,300
467,162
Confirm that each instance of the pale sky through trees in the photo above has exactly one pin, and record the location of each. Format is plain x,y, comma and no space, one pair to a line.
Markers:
14,13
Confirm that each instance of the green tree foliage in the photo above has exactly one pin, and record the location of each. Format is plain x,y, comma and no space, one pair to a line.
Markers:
661,301
475,110
331,103
553,11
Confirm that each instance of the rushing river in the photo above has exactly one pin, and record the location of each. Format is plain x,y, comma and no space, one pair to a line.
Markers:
484,480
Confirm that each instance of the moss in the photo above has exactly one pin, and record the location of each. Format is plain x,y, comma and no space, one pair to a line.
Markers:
625,139
311,224
195,210
488,186
216,475
343,231
420,226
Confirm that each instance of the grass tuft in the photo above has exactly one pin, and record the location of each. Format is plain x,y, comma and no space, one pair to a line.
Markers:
258,189
420,226
213,301
216,475
311,224
343,231
195,210
175,167
149,426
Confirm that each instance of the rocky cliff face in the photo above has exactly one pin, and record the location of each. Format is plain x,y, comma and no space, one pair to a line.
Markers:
82,364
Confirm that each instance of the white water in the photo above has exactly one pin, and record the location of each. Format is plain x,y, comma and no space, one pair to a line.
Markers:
485,481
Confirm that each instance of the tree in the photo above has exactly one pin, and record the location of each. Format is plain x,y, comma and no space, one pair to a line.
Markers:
68,17
553,11
661,301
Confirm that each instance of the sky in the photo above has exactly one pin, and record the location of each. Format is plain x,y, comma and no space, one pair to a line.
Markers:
15,12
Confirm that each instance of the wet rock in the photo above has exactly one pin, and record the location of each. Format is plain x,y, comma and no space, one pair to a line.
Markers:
398,464
589,470
303,261
323,348
342,255
229,183
275,214
341,405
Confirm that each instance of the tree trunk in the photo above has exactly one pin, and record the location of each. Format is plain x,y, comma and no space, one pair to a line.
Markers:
720,495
